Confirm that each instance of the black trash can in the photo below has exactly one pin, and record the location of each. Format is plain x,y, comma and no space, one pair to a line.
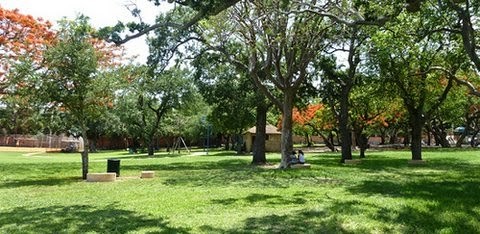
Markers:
113,165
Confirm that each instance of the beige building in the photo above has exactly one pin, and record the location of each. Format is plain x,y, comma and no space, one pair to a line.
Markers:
272,141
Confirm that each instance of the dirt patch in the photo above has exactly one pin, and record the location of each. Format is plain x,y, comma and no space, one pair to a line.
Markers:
31,154
26,149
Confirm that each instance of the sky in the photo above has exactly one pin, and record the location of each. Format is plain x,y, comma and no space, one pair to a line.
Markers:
101,12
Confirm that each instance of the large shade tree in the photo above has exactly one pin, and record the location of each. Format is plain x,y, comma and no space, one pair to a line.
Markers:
421,65
284,43
353,22
145,102
228,94
455,17
278,38
222,46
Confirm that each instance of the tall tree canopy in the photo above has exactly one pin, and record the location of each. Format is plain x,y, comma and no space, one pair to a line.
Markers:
421,63
281,44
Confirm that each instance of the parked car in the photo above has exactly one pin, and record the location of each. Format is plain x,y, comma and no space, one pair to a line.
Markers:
459,130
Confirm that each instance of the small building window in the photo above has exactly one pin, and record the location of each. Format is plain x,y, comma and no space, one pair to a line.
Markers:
267,137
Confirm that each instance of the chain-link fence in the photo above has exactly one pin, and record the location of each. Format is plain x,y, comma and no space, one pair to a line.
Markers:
41,141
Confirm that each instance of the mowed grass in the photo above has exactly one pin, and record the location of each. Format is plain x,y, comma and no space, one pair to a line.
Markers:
223,193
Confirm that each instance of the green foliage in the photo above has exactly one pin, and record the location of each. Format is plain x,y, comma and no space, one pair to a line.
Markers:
407,53
223,193
186,121
229,92
149,98
70,81
21,113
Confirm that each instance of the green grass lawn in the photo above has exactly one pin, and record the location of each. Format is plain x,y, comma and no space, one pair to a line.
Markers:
223,193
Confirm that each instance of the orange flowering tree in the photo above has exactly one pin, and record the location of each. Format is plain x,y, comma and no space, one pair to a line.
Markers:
21,35
389,123
373,110
315,119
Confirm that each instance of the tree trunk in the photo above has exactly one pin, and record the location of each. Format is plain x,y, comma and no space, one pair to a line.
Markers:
474,135
442,139
429,138
219,140
393,137
361,139
382,136
406,139
151,148
363,144
239,143
287,122
345,131
416,123
332,138
328,141
460,140
439,134
93,145
308,138
260,134
86,147
227,142
149,143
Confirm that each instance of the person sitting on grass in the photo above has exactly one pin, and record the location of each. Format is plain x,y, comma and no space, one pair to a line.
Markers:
292,159
301,157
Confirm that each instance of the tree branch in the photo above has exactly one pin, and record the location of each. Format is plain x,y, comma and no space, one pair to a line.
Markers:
201,14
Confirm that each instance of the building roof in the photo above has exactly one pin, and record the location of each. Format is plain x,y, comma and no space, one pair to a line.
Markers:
270,129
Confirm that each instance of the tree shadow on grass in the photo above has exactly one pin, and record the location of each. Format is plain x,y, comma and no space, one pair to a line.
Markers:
451,204
408,218
377,162
356,216
302,221
81,219
258,198
227,164
39,182
226,153
232,172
